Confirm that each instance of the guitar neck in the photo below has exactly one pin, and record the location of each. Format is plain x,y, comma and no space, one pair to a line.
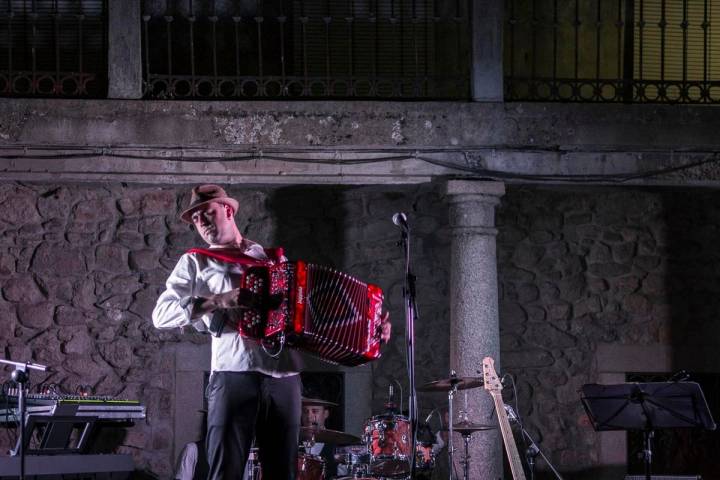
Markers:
513,456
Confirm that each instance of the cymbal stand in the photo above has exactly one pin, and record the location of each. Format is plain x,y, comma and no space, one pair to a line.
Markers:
466,460
451,395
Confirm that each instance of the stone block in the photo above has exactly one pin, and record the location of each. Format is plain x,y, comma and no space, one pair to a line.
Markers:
81,343
38,316
66,316
111,258
158,202
608,270
94,210
58,260
19,207
23,289
117,353
116,302
527,358
527,256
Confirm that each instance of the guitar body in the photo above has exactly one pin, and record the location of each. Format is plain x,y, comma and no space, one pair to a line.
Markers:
494,388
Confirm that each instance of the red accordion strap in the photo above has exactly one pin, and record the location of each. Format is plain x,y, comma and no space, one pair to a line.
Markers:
232,255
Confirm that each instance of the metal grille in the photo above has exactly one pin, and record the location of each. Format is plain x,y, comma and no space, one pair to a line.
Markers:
53,48
306,48
659,51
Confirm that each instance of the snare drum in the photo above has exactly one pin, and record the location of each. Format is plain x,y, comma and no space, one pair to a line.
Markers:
388,440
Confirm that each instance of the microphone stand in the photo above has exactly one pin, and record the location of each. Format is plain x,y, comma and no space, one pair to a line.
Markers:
410,317
532,450
21,376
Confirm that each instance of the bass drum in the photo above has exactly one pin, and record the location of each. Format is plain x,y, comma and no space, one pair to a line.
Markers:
309,467
388,440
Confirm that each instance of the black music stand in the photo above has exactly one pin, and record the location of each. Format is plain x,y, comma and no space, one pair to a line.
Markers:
646,407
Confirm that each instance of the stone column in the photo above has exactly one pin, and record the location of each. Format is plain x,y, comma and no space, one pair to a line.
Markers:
124,50
474,322
487,53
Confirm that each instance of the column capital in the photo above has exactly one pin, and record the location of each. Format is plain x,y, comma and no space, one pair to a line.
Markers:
472,206
475,187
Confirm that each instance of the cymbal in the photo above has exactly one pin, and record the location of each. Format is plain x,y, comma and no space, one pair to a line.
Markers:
466,428
312,402
325,435
446,384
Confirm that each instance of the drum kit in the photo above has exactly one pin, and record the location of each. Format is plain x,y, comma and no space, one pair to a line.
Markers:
383,451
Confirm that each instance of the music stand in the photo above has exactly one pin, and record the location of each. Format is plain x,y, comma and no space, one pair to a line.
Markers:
646,407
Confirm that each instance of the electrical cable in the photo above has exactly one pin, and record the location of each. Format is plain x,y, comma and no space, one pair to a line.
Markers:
709,158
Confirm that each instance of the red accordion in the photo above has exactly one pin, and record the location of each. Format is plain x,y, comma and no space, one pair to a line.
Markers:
322,311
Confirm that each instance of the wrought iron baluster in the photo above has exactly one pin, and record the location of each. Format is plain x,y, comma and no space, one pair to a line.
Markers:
629,49
168,32
641,26
281,21
619,28
259,19
327,19
414,21
191,26
146,48
10,15
598,39
375,21
57,84
33,46
513,41
303,31
236,31
662,25
351,57
533,36
81,41
706,59
684,25
213,18
576,51
554,44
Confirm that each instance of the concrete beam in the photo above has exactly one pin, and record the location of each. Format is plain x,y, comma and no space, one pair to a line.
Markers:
357,142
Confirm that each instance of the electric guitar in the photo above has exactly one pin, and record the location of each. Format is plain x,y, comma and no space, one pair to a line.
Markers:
494,388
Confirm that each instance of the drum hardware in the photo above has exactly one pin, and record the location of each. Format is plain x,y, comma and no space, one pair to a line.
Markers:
325,435
467,428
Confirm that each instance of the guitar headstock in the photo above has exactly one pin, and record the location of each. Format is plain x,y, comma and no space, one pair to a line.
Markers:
490,376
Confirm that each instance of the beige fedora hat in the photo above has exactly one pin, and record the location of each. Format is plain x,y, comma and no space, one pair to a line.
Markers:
204,194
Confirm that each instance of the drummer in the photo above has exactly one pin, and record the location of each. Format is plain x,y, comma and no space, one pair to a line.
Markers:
315,413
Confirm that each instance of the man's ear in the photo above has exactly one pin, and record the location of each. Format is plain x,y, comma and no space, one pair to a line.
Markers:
229,212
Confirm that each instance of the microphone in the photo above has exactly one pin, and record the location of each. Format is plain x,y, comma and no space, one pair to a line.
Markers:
400,219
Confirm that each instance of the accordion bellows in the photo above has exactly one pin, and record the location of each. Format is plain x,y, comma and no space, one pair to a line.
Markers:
320,310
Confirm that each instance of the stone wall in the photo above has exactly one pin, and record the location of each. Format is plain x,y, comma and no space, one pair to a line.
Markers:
81,267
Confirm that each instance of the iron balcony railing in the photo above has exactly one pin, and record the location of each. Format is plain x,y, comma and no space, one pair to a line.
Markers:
245,49
664,51
53,48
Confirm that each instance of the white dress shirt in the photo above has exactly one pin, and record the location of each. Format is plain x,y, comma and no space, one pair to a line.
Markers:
199,275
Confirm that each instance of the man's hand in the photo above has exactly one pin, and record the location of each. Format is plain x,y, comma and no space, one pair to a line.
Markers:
237,298
385,327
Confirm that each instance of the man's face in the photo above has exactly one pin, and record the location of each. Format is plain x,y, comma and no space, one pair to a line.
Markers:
215,223
314,416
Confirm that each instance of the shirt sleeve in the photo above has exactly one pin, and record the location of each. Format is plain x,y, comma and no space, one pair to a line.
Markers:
174,306
185,469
